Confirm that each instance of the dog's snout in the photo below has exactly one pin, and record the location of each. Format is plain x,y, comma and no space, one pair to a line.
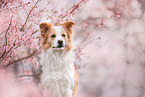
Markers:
60,42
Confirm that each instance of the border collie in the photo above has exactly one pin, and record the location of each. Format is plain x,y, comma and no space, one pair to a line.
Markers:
59,77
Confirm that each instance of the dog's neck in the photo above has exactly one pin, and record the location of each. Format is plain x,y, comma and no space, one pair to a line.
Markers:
56,60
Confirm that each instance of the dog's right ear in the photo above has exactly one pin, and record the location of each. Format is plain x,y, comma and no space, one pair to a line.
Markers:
45,28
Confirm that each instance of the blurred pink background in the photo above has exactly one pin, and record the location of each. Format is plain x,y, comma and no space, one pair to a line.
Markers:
111,35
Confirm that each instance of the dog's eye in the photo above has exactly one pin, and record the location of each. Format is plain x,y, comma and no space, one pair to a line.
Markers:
53,36
63,35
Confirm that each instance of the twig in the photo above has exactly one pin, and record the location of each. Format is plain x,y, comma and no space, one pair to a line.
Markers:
68,13
11,8
7,31
5,52
20,5
75,7
48,12
29,75
6,38
6,3
88,35
34,32
2,32
12,48
29,15
85,39
42,9
26,75
20,59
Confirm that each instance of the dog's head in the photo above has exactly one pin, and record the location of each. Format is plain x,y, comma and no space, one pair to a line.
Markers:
56,37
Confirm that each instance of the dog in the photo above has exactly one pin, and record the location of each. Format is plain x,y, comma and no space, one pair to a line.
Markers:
59,77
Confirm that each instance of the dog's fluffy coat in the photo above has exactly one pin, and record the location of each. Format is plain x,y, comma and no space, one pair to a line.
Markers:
59,77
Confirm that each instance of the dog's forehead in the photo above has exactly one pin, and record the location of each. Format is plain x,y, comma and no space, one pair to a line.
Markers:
59,29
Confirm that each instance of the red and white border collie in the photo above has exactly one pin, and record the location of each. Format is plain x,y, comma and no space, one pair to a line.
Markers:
59,77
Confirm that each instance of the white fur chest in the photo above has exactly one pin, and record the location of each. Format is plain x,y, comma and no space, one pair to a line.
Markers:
58,72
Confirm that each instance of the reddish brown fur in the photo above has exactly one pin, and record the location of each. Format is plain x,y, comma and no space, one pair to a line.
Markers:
68,28
76,78
45,30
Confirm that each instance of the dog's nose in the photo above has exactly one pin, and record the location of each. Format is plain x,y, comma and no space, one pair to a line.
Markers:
60,41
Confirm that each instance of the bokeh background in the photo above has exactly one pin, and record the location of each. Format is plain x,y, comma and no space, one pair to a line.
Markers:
109,42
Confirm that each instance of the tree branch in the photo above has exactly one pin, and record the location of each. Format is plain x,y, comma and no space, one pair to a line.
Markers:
12,48
5,52
90,33
34,32
42,9
7,31
29,75
29,15
69,12
75,7
20,59
2,32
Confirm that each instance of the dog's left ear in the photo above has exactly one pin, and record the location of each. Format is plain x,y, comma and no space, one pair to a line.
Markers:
68,25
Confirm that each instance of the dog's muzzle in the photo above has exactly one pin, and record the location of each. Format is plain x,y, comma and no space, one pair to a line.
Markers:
60,45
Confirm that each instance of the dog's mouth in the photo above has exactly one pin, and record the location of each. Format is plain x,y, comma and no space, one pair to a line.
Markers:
59,47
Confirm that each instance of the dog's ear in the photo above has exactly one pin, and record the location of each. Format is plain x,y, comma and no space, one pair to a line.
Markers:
45,28
68,28
68,25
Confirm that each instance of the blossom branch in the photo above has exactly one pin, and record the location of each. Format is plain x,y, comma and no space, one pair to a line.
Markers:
2,32
42,9
5,3
29,15
20,5
34,32
5,52
20,59
75,7
90,33
7,31
33,75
